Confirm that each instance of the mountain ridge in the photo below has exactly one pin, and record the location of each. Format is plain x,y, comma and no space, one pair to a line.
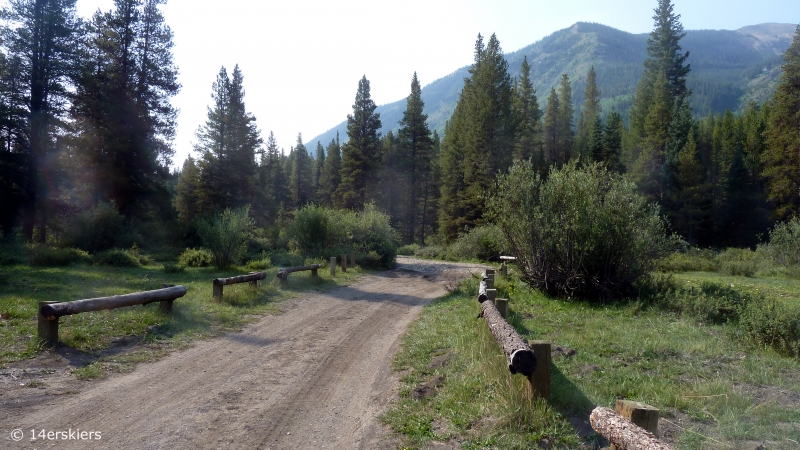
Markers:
730,68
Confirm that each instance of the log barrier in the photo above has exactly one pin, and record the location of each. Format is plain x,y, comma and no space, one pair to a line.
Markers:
333,266
50,312
622,432
252,278
283,274
344,262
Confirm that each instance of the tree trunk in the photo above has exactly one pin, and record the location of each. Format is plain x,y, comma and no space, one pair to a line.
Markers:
116,301
519,355
625,435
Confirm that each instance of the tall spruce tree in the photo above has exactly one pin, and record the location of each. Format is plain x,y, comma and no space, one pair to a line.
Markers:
528,141
300,176
415,145
187,192
693,194
566,119
361,154
612,141
478,144
319,163
41,38
781,158
273,181
552,131
329,179
589,113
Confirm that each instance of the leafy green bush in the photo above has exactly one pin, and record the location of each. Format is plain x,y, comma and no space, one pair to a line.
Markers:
430,252
740,262
774,324
784,243
226,235
117,258
194,257
42,255
485,243
259,264
711,302
309,231
408,250
584,231
97,228
689,260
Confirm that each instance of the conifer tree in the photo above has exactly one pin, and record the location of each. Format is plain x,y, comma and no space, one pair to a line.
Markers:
329,180
692,194
393,183
527,143
566,118
319,163
431,191
589,112
186,192
612,141
594,149
361,153
552,131
40,39
273,182
300,178
781,158
414,156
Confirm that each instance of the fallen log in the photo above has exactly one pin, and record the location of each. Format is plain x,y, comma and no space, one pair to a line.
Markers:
255,276
482,294
284,273
115,301
519,355
625,435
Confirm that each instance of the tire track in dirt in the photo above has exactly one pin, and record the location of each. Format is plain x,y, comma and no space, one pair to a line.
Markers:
316,376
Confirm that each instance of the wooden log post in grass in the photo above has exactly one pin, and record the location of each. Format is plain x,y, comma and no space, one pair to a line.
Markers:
622,433
344,262
333,266
503,270
540,378
518,354
283,274
353,260
219,283
482,291
48,326
502,306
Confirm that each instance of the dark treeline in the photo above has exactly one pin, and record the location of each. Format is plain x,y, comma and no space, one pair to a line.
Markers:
86,122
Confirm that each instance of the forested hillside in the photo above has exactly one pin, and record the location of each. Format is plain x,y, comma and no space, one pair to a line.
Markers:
729,70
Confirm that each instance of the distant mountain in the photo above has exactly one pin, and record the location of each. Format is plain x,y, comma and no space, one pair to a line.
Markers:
729,69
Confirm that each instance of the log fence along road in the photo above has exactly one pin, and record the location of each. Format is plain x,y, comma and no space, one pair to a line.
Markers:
316,376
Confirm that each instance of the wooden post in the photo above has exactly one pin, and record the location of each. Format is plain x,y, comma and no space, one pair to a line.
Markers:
492,294
645,416
333,266
166,305
540,378
490,281
218,288
503,270
253,283
48,326
502,305
344,262
489,272
519,355
314,273
353,260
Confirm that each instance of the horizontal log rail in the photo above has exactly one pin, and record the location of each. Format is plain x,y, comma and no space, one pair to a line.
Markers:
283,274
49,312
252,278
622,433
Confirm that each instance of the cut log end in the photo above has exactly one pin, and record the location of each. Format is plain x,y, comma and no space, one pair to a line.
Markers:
523,361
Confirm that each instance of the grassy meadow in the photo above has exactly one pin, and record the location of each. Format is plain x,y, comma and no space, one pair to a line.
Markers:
148,332
715,388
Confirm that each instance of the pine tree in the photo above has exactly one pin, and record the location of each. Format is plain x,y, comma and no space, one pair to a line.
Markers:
273,182
527,143
589,113
186,192
594,149
392,183
664,50
612,141
319,163
40,39
648,170
414,156
693,195
300,178
566,118
329,180
430,192
781,158
552,131
361,153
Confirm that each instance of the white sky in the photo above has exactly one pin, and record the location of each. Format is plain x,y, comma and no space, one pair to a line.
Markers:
302,59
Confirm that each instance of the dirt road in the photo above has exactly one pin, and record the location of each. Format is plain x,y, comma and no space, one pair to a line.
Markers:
316,376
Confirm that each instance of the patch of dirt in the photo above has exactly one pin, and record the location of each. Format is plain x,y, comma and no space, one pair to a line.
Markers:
440,361
588,369
426,388
673,423
565,352
770,394
316,376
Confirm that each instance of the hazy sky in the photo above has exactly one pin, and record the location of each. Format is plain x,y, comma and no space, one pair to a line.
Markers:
302,59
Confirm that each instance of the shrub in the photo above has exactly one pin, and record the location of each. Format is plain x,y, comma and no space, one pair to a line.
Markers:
309,231
784,243
282,258
689,260
408,250
430,252
774,324
118,258
97,228
711,302
583,231
226,236
259,264
738,262
485,243
41,255
192,257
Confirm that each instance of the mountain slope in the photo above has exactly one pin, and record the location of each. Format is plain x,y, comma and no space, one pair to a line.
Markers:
729,69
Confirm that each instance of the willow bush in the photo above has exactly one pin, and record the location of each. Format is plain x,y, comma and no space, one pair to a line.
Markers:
584,231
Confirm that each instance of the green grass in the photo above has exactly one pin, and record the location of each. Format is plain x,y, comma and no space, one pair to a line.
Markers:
783,289
724,392
145,329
